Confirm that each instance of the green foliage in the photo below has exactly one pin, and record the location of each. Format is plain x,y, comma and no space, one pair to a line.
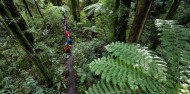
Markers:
103,15
84,53
150,34
52,20
20,86
101,7
128,69
131,66
17,74
103,87
176,49
94,8
183,12
90,49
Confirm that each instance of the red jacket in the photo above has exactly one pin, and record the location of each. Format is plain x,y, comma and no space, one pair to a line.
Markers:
67,34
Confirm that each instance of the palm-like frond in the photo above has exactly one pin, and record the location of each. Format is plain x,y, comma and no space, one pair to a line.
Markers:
103,87
175,42
132,67
94,8
63,8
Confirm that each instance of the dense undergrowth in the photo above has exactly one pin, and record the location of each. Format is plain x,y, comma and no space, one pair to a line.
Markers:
18,75
159,63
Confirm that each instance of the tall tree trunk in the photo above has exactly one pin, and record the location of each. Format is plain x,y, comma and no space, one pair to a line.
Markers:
173,9
78,9
27,8
116,12
19,19
74,9
142,10
15,30
36,3
158,10
123,20
16,14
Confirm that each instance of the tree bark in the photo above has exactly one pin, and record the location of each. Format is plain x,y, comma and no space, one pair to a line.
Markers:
15,30
173,9
19,19
16,14
36,3
116,12
122,23
27,8
78,9
74,9
142,10
155,43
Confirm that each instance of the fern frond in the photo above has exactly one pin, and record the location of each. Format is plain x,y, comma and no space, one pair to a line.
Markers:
139,56
177,51
93,8
103,87
125,71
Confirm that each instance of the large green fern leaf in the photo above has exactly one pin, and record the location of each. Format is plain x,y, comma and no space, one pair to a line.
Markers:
139,73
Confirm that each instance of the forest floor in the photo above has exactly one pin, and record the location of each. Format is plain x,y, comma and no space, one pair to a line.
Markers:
71,76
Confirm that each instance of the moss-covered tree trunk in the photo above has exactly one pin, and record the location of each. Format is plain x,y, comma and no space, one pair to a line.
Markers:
36,3
142,10
19,20
78,9
173,9
27,8
116,11
25,44
124,9
16,14
74,6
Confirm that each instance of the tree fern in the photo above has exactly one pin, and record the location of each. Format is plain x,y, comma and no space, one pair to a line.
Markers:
94,8
176,48
103,87
131,66
101,7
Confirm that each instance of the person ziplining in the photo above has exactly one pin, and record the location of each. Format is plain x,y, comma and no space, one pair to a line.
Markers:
69,42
